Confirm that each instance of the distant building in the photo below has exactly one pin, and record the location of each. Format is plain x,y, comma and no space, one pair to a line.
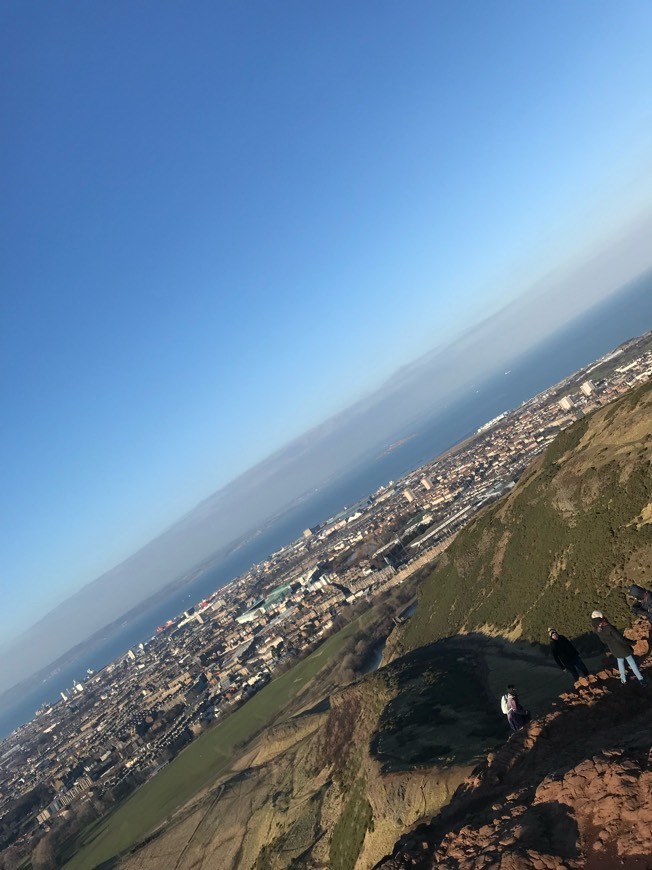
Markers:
249,616
307,533
425,483
409,495
587,388
491,423
191,617
566,404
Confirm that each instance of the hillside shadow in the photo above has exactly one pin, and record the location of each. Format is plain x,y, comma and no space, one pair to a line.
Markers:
588,726
322,706
587,644
548,828
441,713
446,709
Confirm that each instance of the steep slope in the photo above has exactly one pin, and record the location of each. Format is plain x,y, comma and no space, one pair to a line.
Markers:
335,788
573,789
569,537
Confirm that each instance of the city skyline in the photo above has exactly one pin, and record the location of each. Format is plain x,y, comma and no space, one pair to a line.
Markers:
224,232
165,558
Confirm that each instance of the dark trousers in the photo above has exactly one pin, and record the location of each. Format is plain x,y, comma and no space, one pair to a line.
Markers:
518,718
577,668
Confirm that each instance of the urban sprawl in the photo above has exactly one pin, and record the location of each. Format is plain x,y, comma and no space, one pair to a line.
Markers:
117,727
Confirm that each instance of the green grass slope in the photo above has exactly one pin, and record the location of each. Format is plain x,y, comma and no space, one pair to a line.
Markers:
336,788
198,765
569,538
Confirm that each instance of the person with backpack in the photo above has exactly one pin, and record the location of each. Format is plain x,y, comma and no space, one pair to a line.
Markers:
517,715
617,645
566,656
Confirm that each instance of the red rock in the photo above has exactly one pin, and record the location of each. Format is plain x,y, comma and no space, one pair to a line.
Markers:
589,781
641,648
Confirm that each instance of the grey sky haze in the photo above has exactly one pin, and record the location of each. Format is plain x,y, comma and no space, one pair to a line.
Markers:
224,224
353,435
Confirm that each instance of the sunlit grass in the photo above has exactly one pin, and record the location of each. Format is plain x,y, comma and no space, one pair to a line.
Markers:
199,764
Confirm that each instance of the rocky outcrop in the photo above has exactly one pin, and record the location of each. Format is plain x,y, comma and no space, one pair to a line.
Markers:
571,790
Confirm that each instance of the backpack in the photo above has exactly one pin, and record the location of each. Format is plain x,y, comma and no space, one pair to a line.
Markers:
504,704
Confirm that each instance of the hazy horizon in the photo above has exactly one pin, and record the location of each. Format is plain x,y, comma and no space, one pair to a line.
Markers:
244,246
191,539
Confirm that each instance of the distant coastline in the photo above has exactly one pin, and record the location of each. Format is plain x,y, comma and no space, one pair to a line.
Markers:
625,315
398,444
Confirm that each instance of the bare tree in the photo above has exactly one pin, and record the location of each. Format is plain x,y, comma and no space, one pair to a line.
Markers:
10,859
43,856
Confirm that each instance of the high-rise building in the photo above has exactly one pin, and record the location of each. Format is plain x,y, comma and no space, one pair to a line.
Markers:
409,495
587,388
425,483
566,403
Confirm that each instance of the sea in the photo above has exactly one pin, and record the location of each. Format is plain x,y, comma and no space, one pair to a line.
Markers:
623,316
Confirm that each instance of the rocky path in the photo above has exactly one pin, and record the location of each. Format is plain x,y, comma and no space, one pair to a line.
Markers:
572,790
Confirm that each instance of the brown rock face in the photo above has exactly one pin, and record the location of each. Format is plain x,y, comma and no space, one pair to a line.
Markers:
639,633
572,790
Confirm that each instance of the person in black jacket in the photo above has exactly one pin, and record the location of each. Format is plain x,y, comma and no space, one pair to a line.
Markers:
618,645
566,656
642,605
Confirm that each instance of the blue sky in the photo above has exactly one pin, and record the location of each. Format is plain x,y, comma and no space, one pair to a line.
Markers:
223,223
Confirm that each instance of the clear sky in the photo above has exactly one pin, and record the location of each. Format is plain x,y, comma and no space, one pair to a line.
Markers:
222,223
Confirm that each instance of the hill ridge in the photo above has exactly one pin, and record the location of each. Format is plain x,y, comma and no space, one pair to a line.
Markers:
570,536
572,789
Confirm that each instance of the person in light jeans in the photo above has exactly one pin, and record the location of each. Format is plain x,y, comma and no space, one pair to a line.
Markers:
617,645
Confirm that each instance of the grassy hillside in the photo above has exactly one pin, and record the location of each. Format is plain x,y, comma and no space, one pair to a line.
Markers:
574,533
339,776
197,765
335,785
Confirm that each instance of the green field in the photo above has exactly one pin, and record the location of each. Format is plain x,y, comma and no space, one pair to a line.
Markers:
199,764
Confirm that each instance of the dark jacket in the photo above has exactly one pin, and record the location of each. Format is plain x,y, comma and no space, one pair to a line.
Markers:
612,638
642,605
563,651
